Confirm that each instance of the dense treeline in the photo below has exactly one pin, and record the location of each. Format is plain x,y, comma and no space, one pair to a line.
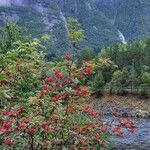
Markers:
130,71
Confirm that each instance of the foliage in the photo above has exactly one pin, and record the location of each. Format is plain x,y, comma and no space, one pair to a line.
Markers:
87,54
76,35
116,81
98,84
57,115
145,83
20,64
10,33
130,61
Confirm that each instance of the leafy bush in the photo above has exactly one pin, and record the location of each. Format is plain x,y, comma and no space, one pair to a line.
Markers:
58,116
44,104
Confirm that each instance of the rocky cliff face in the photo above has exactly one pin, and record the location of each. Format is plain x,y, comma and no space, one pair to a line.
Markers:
105,21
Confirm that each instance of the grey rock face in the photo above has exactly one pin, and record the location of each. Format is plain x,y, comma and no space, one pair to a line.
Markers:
9,3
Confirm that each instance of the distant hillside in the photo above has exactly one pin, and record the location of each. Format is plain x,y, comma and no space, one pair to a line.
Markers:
105,21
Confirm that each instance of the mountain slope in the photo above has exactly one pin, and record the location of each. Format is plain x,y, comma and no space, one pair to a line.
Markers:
105,21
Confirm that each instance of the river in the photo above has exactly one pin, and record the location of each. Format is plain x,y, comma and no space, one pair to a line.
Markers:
137,141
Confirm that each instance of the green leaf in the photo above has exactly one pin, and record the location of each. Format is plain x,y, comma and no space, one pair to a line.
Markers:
11,68
3,77
3,95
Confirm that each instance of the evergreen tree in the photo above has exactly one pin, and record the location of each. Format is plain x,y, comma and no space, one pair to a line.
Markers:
116,82
145,84
98,84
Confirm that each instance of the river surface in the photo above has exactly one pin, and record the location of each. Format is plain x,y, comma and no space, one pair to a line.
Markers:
137,141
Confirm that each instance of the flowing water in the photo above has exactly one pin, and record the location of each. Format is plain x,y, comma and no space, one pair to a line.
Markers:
122,38
138,141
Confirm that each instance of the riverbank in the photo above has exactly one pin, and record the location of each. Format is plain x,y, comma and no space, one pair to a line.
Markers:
126,105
